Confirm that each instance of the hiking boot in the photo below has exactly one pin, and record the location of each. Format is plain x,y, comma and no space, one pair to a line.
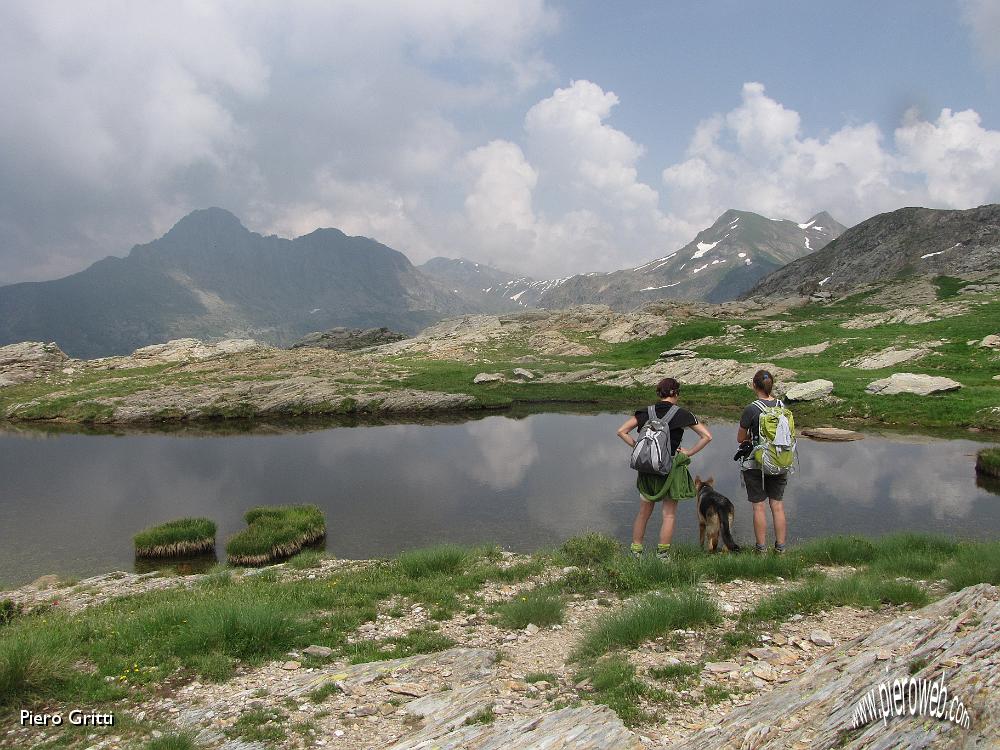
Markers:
779,549
759,549
636,550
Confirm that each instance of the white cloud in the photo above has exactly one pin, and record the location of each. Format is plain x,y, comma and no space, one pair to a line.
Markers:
756,157
983,19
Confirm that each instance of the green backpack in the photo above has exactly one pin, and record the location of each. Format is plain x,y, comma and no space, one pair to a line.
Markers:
775,451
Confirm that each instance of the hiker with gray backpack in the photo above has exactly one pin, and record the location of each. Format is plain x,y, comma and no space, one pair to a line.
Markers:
767,457
660,461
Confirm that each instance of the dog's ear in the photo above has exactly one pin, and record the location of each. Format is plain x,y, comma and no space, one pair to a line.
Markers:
697,481
710,481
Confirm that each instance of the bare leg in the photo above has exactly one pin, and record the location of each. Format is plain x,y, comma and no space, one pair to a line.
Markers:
639,527
760,523
669,514
778,513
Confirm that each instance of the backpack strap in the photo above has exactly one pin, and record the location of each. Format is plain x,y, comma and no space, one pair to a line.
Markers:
670,414
651,411
760,405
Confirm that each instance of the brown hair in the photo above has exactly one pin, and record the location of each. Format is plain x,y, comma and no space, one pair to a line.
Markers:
763,381
667,387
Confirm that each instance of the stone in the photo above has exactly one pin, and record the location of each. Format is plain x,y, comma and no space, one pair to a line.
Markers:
678,354
809,391
553,342
889,357
815,708
883,654
908,382
722,667
488,377
362,711
831,433
318,651
531,629
348,339
45,582
291,665
186,350
520,372
802,351
990,342
821,638
30,360
764,671
406,688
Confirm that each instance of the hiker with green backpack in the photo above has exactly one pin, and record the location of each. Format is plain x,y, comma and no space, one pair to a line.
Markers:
767,450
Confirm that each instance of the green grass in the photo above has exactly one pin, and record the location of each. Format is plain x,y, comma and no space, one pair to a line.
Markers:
988,462
274,532
483,716
172,742
442,558
259,725
533,677
681,675
590,549
653,615
949,286
541,607
860,590
615,685
421,641
972,564
185,536
307,559
210,629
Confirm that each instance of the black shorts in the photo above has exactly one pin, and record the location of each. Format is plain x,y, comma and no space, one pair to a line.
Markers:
761,486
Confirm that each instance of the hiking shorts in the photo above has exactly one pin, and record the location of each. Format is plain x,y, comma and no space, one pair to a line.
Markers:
761,486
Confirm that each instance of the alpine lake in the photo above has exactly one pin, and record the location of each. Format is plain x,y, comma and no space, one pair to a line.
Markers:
71,501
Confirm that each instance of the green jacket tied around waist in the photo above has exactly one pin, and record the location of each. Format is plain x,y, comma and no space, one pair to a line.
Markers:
677,485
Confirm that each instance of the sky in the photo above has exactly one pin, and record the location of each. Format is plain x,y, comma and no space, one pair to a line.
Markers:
546,137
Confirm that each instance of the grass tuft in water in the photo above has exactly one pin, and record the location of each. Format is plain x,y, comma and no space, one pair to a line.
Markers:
274,532
185,536
988,462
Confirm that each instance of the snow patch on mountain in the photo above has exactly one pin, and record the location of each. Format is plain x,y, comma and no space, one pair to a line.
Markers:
703,247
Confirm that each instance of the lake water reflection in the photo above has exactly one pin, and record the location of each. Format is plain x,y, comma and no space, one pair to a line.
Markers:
70,502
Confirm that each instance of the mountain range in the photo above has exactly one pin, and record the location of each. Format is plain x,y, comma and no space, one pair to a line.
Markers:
905,242
720,263
210,277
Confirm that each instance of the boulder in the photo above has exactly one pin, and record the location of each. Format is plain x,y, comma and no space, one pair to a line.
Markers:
831,433
671,354
809,391
990,342
522,374
30,360
908,382
553,342
189,350
952,641
488,377
889,357
347,339
801,351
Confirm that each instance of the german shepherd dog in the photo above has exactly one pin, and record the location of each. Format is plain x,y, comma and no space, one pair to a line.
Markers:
715,516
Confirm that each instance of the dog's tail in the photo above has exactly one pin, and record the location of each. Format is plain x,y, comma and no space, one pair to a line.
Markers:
727,537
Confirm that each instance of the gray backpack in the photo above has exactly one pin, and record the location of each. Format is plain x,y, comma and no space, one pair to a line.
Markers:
652,452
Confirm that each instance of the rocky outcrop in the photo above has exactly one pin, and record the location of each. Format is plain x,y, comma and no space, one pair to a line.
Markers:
809,391
445,690
910,316
835,434
488,377
30,360
180,350
801,351
908,382
672,354
694,371
888,357
348,339
952,642
990,342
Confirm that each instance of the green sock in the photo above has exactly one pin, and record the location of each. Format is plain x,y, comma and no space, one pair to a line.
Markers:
662,547
637,546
